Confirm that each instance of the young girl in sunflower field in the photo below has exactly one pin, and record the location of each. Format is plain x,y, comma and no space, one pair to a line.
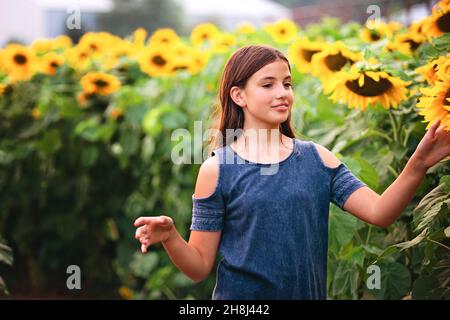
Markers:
262,199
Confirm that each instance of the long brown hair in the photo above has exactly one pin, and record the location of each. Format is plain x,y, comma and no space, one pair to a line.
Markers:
238,69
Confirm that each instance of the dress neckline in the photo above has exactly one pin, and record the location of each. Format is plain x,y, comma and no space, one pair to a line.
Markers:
294,143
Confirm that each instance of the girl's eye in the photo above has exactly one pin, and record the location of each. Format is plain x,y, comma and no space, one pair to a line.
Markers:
288,84
267,85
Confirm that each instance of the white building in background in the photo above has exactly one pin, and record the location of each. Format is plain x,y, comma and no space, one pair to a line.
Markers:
27,20
229,13
415,13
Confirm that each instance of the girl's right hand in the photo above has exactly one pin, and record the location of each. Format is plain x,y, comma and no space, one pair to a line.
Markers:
152,230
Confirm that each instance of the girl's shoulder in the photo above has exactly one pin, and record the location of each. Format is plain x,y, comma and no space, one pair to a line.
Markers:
325,156
207,178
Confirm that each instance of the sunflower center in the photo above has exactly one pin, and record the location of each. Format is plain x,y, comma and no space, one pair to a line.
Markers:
335,62
180,67
20,59
54,64
443,22
447,96
158,60
413,45
282,31
205,36
374,36
307,54
101,83
371,88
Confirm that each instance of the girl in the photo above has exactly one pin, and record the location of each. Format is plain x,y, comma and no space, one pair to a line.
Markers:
271,227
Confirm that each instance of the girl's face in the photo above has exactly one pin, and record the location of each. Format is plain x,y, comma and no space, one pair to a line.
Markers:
267,98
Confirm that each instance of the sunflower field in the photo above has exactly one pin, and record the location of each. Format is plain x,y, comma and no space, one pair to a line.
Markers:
86,143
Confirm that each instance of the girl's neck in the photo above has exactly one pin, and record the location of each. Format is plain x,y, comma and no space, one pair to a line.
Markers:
262,140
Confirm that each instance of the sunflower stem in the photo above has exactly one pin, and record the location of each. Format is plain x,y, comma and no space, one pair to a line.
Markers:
438,243
368,234
392,170
394,126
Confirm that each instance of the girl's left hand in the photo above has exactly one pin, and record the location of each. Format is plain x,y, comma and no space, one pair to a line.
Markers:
434,146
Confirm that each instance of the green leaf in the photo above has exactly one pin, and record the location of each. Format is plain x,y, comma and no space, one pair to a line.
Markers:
368,173
395,281
151,123
89,155
357,255
50,143
88,129
143,264
427,287
6,254
130,143
342,228
345,279
446,181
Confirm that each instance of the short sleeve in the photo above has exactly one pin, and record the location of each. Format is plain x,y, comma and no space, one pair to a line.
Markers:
208,213
343,184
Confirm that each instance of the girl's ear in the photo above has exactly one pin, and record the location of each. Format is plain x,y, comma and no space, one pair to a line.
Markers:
236,95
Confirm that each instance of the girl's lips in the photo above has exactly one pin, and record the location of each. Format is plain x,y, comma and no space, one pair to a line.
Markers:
281,108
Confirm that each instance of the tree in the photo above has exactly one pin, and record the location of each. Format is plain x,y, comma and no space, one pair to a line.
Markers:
128,15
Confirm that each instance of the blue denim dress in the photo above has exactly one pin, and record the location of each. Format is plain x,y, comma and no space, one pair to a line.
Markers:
274,223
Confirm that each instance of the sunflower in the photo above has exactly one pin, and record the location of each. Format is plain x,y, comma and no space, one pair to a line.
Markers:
83,98
120,52
429,70
418,26
164,36
439,21
332,59
36,113
223,42
98,43
409,42
245,28
301,53
116,113
100,83
156,61
187,58
375,30
50,63
47,45
139,36
199,60
361,88
2,89
402,47
282,31
78,57
203,32
435,102
19,62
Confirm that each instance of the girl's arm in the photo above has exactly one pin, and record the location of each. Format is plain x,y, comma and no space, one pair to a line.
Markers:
383,210
196,257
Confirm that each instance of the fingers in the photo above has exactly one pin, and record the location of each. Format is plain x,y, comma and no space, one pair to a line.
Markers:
435,125
141,231
163,220
142,220
143,248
